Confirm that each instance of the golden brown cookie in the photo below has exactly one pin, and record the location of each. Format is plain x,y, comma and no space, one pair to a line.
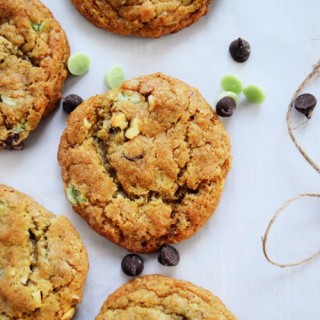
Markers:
33,55
43,263
142,18
155,297
145,164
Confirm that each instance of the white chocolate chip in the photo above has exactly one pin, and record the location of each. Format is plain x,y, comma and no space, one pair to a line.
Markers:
119,120
135,99
8,101
24,279
151,101
68,314
134,129
103,132
86,123
37,298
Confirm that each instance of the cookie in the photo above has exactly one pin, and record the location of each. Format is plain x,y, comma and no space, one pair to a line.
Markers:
142,18
43,263
145,164
33,55
155,297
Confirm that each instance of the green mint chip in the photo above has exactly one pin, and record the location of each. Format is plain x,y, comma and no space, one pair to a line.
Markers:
74,196
254,94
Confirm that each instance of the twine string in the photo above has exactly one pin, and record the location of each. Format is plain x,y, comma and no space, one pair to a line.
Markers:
315,71
272,221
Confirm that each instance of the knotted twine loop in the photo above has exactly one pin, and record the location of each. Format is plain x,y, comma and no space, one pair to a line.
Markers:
315,71
272,221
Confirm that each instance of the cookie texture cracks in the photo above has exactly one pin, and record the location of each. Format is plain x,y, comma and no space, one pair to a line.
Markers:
155,297
43,263
143,18
33,55
145,164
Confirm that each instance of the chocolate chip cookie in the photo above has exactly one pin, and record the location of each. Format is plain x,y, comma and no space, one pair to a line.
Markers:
33,55
155,297
142,18
43,263
145,164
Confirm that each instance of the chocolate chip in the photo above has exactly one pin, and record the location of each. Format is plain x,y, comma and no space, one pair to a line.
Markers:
139,157
132,265
225,107
10,142
240,50
113,130
12,139
70,102
180,194
169,256
305,103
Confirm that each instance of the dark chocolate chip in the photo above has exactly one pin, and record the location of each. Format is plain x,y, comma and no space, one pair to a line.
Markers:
240,50
71,102
132,265
225,107
12,139
169,256
180,194
113,130
305,103
139,157
10,143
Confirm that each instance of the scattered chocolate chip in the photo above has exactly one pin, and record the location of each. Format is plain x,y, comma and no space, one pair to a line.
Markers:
132,265
70,102
169,256
240,50
139,157
225,107
305,103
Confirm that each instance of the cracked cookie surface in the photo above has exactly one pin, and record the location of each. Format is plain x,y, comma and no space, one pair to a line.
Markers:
43,263
155,297
145,164
33,55
146,18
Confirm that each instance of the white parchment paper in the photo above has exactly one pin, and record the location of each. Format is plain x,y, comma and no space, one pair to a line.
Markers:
226,255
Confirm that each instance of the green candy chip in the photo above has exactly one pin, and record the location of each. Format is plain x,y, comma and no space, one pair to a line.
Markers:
78,64
231,83
254,94
115,77
41,27
74,196
37,26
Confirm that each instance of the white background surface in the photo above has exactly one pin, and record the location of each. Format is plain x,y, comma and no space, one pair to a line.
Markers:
226,255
